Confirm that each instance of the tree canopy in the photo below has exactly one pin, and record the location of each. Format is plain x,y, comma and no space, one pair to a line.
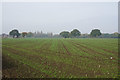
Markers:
75,33
24,34
65,34
95,33
14,33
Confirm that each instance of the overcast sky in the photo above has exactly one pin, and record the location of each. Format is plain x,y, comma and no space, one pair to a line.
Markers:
56,17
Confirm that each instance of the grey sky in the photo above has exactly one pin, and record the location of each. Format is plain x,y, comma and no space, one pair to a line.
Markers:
56,17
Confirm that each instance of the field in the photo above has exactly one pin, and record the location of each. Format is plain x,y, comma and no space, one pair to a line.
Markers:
60,58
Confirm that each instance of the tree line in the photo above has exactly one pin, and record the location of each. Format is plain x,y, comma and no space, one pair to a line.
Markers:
75,33
15,34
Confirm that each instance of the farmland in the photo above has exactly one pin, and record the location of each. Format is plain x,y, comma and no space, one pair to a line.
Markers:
60,58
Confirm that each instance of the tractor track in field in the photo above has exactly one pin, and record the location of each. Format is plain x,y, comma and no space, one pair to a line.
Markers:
44,47
88,50
60,65
106,50
94,58
23,54
14,69
109,51
59,47
74,70
65,48
31,57
30,45
38,58
91,50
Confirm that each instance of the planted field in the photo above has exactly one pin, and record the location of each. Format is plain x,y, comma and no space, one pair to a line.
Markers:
60,58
